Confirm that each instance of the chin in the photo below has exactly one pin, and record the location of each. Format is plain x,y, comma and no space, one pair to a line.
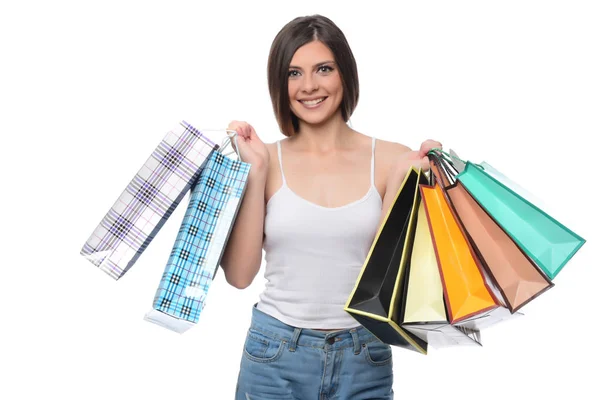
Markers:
314,119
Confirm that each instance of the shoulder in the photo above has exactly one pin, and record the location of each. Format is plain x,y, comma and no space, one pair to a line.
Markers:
273,165
387,147
272,149
387,152
271,146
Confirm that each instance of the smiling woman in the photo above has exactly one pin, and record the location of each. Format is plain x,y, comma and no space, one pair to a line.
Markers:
309,57
315,90
314,202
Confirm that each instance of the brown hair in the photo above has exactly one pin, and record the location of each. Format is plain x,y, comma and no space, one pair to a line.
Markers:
291,37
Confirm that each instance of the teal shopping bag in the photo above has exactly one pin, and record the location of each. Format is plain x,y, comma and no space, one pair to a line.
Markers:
547,241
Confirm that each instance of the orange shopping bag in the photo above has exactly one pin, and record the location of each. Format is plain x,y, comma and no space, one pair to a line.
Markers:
471,298
515,274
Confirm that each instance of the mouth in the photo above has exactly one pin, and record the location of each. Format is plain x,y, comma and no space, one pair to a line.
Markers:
313,103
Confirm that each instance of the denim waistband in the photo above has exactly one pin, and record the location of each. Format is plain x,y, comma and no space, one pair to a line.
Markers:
329,340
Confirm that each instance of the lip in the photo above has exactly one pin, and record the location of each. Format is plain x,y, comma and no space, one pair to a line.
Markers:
313,98
312,107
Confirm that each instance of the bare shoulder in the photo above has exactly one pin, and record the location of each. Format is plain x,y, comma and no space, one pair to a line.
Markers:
388,152
386,155
271,147
273,157
273,174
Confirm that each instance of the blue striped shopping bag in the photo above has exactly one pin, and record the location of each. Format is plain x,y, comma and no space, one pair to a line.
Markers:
213,206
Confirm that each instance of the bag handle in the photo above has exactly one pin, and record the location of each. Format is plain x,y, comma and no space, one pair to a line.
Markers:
448,160
441,173
231,136
449,168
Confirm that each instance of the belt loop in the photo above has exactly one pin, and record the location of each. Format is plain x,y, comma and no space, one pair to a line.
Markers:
356,341
294,341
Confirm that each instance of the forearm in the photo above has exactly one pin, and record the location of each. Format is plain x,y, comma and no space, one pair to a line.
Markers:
243,254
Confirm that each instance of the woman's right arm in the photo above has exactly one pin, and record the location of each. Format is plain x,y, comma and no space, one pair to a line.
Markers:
242,257
243,254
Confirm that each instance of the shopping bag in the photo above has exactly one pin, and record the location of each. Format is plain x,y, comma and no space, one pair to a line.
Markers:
472,301
421,302
212,209
549,243
521,191
148,201
512,271
371,301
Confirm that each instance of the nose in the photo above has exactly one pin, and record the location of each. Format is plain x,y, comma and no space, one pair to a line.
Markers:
309,84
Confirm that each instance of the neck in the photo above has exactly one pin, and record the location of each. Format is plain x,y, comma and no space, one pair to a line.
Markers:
324,137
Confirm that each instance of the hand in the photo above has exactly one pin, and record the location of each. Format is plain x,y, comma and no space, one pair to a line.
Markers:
428,145
421,159
414,158
252,149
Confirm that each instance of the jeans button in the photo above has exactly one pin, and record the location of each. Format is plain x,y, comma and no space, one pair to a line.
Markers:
331,340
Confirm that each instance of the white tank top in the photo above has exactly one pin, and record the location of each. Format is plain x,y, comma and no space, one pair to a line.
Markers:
314,254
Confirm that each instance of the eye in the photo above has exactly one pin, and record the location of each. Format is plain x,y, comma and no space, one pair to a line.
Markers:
325,68
293,73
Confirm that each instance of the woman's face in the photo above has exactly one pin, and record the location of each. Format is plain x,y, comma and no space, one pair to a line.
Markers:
314,83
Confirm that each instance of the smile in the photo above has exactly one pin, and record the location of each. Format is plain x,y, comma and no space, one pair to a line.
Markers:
312,103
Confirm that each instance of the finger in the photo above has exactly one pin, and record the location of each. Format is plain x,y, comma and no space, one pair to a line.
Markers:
435,144
245,130
239,145
427,145
425,164
424,149
239,129
233,125
252,132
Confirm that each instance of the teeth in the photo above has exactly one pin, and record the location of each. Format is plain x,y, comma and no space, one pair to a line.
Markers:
312,102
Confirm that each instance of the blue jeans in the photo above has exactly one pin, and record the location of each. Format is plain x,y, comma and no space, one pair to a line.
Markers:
283,362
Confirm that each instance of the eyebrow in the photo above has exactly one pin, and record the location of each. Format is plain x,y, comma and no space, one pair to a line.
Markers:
314,66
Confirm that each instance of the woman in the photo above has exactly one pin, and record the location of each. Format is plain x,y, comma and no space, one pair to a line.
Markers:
314,201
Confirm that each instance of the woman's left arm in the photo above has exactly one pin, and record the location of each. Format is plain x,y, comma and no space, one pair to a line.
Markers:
403,160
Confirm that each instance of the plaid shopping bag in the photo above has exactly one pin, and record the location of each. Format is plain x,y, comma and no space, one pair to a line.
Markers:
196,254
148,201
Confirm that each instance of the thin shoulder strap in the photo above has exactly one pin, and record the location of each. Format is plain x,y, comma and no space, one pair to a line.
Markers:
373,163
280,162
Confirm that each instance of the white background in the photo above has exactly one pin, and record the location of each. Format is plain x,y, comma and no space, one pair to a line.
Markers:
87,91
